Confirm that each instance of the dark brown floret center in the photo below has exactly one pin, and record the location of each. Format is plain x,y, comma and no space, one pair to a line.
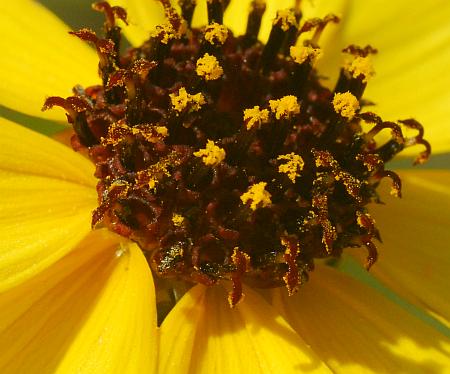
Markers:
226,158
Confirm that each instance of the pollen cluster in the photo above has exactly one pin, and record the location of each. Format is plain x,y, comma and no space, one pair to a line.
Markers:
224,157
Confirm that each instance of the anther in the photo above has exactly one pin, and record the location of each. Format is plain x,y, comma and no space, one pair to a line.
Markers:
257,9
356,73
183,101
285,108
257,195
345,104
216,34
208,67
284,20
212,154
304,57
215,11
255,116
187,10
292,32
292,167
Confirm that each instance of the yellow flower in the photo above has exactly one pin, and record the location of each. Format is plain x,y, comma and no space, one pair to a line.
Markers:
77,300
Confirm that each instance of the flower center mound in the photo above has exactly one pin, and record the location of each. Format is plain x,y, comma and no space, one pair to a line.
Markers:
224,157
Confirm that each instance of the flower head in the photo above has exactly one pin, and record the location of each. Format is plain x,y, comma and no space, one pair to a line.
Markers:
219,159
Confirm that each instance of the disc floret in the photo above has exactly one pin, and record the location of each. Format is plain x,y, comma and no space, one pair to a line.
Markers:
226,158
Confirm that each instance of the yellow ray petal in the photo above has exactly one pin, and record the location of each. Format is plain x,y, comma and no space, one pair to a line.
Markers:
415,254
357,330
44,211
27,152
175,352
251,338
414,55
143,16
91,312
39,58
236,14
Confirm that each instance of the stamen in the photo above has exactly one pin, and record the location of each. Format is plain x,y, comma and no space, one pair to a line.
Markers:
216,34
215,11
306,53
257,195
305,57
183,99
187,10
212,155
292,167
255,117
285,108
356,73
361,68
178,220
345,104
284,20
208,67
257,9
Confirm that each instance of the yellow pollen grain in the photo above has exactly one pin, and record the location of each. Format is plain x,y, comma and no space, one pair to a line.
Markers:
255,116
285,107
181,100
292,167
212,154
361,66
258,196
177,220
216,33
208,67
302,54
165,31
285,18
345,104
162,130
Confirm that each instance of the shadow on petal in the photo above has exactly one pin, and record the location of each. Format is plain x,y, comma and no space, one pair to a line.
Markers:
354,328
250,338
415,254
85,313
